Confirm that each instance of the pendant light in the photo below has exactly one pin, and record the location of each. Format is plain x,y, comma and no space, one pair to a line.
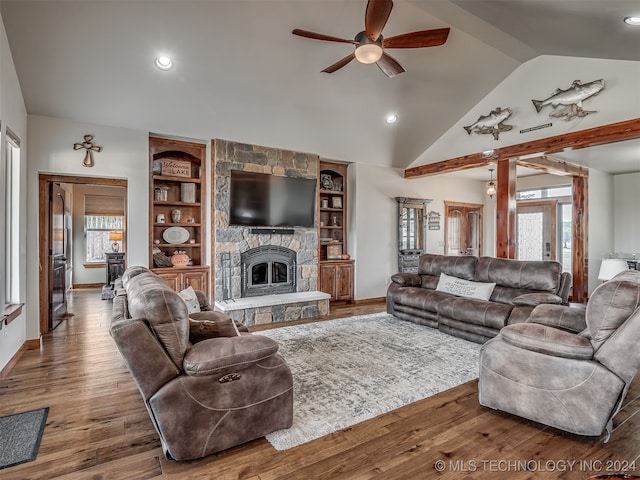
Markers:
491,186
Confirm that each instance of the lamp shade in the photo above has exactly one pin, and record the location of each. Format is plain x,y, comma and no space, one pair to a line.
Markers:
115,236
610,267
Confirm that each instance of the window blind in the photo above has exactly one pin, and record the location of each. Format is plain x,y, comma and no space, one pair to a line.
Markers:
103,205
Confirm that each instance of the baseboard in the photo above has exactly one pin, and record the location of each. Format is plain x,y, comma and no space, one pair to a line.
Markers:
77,286
27,345
366,301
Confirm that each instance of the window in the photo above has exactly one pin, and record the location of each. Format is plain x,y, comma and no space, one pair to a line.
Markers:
11,290
103,215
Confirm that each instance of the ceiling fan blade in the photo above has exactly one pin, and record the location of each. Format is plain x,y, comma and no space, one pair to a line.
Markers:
424,38
376,16
320,36
389,66
339,64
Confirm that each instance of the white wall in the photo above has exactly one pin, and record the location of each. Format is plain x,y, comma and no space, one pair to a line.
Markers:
601,222
13,114
373,224
539,78
626,200
125,155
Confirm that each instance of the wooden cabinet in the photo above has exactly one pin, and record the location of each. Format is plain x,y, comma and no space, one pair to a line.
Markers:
412,238
335,269
336,279
177,213
181,278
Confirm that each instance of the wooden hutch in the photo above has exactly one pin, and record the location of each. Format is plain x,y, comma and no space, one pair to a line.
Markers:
335,268
176,212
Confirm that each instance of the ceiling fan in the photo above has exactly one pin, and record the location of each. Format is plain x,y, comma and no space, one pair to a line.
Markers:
370,45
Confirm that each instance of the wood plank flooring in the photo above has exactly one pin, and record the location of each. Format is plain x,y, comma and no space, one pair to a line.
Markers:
98,427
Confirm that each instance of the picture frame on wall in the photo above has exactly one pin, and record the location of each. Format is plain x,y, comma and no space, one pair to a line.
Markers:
336,202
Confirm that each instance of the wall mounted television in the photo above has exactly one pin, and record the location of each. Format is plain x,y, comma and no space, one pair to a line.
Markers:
262,200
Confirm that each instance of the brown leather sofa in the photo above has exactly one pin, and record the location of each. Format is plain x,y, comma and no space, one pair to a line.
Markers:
567,368
520,286
202,396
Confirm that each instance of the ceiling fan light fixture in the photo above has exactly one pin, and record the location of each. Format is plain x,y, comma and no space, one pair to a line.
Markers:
635,21
368,53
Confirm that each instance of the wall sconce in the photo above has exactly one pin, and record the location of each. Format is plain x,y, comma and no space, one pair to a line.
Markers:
610,267
115,237
491,186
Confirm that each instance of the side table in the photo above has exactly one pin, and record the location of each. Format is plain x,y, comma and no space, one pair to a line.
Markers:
116,266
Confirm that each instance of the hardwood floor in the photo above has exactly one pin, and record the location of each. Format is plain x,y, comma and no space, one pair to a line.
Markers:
98,427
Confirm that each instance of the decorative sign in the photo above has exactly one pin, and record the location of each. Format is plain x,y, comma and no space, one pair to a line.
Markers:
176,168
538,127
334,252
433,220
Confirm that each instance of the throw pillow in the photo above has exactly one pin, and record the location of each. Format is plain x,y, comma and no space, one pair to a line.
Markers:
210,324
190,298
465,288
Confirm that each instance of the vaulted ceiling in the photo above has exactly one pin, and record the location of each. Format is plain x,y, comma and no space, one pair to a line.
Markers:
240,74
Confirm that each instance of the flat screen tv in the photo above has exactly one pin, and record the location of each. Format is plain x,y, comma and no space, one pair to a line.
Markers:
262,200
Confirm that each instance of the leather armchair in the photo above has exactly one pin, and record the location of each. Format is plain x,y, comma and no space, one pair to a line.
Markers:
567,368
202,396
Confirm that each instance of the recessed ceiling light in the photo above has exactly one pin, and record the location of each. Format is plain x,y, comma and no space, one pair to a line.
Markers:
163,62
391,119
632,21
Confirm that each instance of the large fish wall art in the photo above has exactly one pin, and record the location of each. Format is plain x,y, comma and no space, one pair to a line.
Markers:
567,104
491,123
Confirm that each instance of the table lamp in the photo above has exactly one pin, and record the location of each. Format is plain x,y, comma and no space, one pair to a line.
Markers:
115,237
610,267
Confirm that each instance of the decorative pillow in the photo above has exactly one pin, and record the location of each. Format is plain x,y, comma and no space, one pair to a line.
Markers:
190,298
465,288
211,324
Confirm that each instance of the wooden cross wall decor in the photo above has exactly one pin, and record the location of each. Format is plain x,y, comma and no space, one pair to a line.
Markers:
88,145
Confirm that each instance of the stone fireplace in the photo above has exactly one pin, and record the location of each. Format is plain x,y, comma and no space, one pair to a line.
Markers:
268,270
235,245
253,264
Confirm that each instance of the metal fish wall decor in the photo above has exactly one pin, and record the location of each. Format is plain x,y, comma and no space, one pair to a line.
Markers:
491,123
567,104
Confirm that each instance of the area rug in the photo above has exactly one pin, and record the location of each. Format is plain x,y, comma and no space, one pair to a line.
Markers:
20,436
349,370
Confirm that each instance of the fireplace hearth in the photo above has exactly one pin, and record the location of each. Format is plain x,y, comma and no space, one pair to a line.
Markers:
268,270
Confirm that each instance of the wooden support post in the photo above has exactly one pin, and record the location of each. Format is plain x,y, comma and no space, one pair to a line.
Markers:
579,239
506,209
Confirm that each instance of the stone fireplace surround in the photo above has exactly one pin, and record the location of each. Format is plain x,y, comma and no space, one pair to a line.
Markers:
235,240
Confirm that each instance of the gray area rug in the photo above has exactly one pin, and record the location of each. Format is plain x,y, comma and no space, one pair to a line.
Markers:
20,436
349,370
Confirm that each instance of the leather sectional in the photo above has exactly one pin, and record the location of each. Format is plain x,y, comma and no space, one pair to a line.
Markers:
520,286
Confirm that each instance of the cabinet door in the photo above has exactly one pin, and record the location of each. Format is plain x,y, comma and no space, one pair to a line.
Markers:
172,280
328,276
197,280
344,282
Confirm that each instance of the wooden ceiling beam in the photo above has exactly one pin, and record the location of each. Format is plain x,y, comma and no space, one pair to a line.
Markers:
544,146
554,166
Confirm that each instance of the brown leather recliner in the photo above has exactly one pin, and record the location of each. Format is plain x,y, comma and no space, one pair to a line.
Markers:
204,396
566,368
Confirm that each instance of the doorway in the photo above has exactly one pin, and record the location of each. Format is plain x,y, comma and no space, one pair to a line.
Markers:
50,228
463,228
